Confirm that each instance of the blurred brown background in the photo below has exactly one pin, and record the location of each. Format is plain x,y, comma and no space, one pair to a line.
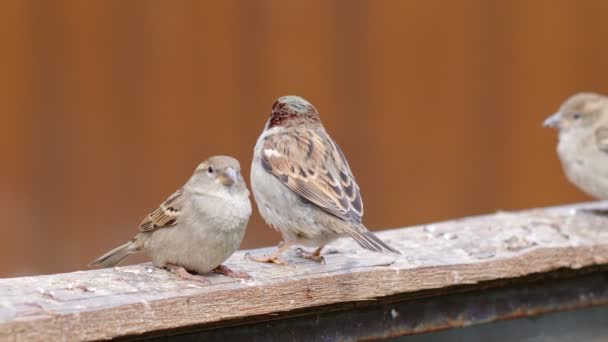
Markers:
107,106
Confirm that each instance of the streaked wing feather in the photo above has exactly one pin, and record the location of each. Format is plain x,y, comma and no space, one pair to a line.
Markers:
311,164
166,215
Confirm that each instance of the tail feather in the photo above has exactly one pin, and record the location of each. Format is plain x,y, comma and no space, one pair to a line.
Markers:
369,240
115,256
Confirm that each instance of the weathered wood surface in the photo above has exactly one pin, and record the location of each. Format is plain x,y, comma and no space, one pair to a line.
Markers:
106,303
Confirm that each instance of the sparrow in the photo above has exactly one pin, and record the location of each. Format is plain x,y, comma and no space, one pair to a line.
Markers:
303,185
582,125
198,227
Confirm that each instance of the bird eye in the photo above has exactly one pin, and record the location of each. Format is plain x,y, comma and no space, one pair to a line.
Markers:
576,116
210,169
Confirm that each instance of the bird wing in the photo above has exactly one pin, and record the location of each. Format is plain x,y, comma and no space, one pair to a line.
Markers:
601,138
312,165
166,215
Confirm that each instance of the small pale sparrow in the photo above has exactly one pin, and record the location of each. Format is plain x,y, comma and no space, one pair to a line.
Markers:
303,185
582,124
198,227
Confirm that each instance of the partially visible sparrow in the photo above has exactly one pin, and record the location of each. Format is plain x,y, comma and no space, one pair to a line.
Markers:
198,227
582,124
303,185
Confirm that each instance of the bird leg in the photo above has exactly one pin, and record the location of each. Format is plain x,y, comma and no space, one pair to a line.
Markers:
274,257
225,270
184,274
314,256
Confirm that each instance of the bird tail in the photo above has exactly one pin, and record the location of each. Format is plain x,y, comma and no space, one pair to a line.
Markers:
115,256
369,240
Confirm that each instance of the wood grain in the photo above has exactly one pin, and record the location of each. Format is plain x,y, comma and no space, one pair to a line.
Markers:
106,303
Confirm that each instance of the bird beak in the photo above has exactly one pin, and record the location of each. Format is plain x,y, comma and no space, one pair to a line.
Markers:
553,121
228,177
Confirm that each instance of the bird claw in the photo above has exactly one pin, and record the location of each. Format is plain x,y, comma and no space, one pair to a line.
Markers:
271,259
225,270
182,273
310,256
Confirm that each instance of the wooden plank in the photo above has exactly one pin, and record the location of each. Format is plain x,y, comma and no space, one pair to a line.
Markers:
108,303
520,301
